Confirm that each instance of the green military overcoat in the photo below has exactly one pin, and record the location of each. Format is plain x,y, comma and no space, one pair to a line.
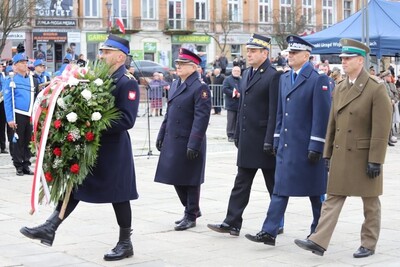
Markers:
358,132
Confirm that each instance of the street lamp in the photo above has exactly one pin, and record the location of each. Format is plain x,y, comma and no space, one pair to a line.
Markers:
108,5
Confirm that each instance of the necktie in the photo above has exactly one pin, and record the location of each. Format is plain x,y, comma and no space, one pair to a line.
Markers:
294,76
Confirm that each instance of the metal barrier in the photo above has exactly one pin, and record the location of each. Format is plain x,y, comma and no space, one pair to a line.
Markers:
217,94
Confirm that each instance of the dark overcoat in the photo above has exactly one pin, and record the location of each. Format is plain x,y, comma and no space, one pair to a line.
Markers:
256,117
184,126
302,118
358,132
113,179
231,83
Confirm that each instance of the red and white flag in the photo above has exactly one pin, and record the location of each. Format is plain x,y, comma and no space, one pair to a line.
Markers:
120,24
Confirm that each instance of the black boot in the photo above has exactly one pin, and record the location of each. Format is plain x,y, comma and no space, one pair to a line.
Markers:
123,249
44,232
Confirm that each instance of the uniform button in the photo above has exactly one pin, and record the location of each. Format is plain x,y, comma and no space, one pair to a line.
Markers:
247,93
244,117
285,145
286,114
244,105
178,122
337,146
244,130
285,130
176,136
349,149
287,99
351,113
349,131
337,129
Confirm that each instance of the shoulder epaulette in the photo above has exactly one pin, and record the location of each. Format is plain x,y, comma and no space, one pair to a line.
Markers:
130,76
375,78
339,82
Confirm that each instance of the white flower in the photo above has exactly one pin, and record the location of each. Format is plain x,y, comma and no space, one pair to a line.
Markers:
96,116
61,103
98,82
72,81
72,117
86,94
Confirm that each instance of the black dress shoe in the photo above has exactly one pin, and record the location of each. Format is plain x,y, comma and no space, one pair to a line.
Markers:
310,246
280,230
224,228
27,171
20,172
262,237
185,224
390,144
363,252
4,151
184,217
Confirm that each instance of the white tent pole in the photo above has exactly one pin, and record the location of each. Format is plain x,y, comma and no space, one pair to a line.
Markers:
367,58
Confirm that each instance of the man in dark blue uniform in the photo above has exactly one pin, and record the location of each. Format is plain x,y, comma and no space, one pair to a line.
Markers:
182,137
19,95
113,178
301,121
40,74
254,131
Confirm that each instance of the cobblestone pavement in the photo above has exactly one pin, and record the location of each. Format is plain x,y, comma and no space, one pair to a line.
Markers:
92,229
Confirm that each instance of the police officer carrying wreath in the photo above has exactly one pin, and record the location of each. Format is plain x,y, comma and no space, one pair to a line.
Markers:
182,137
113,178
356,142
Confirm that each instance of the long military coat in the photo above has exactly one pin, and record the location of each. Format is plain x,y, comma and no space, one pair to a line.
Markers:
256,117
358,132
302,118
113,178
184,126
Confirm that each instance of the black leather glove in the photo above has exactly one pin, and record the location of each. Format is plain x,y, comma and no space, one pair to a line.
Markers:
159,144
236,141
191,154
314,156
327,164
268,149
373,170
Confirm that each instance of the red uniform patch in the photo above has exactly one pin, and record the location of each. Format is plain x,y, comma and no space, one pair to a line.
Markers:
204,95
132,95
324,88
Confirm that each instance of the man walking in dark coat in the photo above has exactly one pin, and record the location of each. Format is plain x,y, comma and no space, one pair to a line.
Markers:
113,178
302,117
231,89
182,137
254,131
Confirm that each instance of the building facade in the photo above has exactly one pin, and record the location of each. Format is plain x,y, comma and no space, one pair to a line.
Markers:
157,28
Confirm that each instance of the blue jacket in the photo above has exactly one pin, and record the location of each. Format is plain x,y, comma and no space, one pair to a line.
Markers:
24,96
301,123
184,126
113,178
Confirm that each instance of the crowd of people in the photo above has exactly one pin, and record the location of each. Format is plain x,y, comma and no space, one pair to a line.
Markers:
297,122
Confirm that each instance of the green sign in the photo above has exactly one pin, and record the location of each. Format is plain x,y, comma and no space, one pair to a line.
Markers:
150,47
137,54
196,39
102,37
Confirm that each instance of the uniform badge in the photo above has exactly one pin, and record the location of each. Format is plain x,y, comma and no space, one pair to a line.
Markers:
204,95
132,95
324,88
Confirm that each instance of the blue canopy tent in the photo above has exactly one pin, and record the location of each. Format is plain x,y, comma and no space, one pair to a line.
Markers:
384,31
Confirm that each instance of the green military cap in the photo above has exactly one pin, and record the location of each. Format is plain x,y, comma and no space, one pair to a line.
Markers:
353,48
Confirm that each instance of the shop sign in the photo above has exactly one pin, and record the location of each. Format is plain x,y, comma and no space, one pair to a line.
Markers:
196,39
137,54
51,8
15,35
55,23
58,37
102,37
150,47
235,39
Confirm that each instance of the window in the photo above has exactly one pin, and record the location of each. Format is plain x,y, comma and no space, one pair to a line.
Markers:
286,18
235,51
327,13
263,11
15,7
201,9
92,8
175,14
308,11
120,10
347,8
148,9
233,9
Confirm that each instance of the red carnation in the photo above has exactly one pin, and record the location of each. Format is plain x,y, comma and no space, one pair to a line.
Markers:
70,137
89,136
57,151
57,124
48,177
75,168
